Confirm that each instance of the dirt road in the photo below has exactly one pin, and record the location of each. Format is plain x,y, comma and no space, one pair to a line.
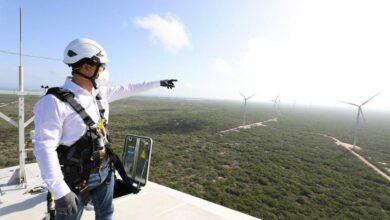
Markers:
349,147
258,124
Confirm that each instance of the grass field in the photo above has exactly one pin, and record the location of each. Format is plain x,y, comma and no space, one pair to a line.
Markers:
281,171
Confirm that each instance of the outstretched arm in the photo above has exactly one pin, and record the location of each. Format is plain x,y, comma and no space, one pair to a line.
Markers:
120,92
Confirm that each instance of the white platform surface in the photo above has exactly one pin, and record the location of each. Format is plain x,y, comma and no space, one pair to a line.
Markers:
153,202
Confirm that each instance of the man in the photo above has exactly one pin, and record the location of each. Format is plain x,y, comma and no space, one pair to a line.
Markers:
71,137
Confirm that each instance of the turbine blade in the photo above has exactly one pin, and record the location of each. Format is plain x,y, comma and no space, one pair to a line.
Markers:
349,103
242,95
369,99
251,96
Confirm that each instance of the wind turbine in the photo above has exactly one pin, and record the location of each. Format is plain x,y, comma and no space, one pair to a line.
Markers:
245,102
276,103
360,113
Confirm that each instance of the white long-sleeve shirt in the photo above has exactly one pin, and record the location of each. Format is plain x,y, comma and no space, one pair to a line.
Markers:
56,123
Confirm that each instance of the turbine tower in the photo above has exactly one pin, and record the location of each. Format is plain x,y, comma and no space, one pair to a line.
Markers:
245,102
359,114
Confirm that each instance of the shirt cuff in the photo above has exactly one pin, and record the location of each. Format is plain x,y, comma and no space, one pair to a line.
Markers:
59,189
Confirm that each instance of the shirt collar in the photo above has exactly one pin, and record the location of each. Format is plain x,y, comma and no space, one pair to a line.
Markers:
69,84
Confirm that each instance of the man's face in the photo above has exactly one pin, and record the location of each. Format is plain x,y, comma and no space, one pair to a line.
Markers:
90,70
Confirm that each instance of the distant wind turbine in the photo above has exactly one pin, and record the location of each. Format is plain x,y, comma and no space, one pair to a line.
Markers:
245,102
276,103
360,113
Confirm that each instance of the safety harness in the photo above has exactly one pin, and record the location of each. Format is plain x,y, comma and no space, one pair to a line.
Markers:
88,154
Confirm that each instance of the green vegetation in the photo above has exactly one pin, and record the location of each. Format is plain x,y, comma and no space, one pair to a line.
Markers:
282,171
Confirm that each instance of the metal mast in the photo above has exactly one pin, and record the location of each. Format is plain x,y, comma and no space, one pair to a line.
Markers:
21,124
22,152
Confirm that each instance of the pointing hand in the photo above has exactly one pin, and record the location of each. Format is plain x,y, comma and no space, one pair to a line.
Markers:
168,83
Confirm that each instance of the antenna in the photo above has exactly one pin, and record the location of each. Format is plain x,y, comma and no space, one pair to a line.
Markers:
245,102
359,114
22,156
21,124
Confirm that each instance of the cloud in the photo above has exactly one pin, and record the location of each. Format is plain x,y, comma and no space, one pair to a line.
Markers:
221,66
322,58
168,29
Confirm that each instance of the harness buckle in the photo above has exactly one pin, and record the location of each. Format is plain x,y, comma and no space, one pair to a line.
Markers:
100,126
82,187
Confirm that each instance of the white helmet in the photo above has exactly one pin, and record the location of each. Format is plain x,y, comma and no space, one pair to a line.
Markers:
84,48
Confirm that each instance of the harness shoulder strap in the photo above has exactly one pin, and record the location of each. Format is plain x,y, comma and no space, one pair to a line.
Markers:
67,96
99,102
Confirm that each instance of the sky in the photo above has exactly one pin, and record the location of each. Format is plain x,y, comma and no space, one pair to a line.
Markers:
311,51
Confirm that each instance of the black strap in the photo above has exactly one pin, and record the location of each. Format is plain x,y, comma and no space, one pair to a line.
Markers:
122,172
99,102
67,96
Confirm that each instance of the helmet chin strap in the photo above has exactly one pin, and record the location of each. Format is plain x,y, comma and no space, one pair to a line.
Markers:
90,78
